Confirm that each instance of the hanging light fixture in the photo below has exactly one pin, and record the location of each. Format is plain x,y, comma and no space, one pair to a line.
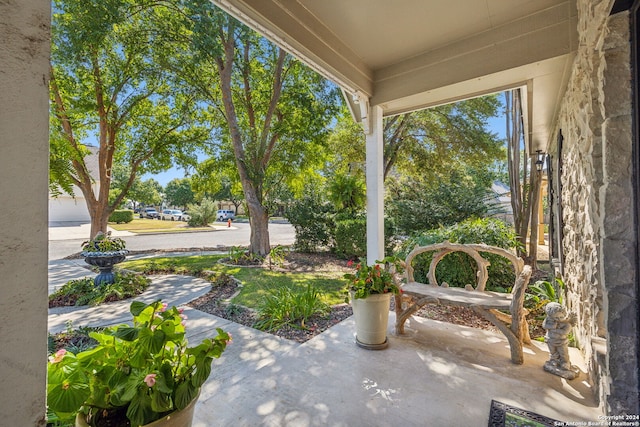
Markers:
539,160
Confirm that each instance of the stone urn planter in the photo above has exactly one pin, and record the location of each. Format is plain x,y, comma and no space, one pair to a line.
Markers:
372,316
105,262
104,251
181,418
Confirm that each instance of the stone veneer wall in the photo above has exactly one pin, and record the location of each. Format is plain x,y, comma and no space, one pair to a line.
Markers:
597,204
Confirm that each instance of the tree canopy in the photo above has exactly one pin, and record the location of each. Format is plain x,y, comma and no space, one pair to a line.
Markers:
273,112
108,87
178,192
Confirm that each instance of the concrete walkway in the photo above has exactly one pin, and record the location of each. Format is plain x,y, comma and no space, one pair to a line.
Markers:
438,375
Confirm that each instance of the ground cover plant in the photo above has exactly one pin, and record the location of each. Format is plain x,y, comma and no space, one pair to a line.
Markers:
85,292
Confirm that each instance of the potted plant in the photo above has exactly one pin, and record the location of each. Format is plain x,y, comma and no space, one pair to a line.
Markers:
369,291
104,251
136,375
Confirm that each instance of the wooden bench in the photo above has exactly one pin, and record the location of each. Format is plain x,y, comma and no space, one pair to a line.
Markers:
504,310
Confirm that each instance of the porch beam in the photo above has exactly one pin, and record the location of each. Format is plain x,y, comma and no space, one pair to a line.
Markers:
375,186
548,34
292,27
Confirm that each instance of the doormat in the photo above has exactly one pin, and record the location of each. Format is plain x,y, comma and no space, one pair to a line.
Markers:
503,415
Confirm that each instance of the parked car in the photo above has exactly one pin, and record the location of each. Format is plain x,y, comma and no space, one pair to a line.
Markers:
173,215
224,215
150,213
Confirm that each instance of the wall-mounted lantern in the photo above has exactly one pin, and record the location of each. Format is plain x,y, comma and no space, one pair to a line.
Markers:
539,160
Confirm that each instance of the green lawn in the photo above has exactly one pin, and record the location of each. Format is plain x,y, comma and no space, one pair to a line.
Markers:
257,282
146,225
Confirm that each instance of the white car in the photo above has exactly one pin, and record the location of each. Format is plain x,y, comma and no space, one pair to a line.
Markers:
173,215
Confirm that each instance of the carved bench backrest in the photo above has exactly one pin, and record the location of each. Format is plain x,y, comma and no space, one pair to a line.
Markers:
473,250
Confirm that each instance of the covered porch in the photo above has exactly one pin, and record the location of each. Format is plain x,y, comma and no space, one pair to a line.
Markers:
440,375
573,62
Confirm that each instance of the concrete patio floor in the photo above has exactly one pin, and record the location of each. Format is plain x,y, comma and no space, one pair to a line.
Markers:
438,375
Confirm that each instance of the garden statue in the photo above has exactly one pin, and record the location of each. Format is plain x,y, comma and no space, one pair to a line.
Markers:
558,324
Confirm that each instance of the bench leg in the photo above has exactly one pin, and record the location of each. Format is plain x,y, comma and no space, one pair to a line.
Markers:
403,315
515,343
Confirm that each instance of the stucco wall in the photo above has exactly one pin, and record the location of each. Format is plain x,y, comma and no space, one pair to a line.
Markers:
599,242
24,52
66,208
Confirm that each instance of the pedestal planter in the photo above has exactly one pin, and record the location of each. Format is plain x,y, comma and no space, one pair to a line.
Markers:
372,317
105,262
182,418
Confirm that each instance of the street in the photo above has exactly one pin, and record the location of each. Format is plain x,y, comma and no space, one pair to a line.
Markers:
237,235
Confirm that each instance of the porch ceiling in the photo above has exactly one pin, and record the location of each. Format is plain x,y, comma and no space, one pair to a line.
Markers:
410,54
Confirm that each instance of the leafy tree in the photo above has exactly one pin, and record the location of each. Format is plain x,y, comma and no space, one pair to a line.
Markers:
275,111
106,85
178,192
215,179
424,143
457,194
147,192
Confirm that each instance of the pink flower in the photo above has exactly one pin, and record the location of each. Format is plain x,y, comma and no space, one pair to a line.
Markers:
150,380
58,356
164,306
181,310
350,263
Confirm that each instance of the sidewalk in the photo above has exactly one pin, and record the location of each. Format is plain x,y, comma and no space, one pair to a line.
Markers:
77,230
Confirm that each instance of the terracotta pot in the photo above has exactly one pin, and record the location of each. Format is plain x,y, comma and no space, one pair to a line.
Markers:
182,418
372,317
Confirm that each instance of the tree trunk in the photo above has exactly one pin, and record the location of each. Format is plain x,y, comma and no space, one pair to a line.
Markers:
523,201
259,222
100,220
534,202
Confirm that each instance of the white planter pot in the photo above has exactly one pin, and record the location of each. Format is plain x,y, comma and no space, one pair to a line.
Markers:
372,317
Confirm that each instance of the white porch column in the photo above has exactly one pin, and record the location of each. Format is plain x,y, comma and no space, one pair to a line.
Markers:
375,186
24,144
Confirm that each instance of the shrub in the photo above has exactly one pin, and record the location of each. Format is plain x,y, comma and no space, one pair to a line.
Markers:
121,216
351,236
203,214
459,269
287,307
312,219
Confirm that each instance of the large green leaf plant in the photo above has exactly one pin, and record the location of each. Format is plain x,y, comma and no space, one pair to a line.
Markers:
146,370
